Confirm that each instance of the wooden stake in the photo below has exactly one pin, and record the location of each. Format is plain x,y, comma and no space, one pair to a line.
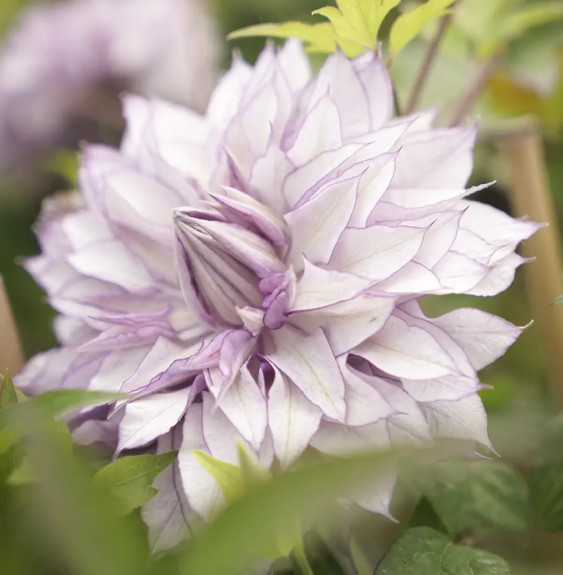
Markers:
522,153
11,355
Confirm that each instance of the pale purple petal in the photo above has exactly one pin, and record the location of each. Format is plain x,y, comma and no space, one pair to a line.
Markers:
292,419
309,362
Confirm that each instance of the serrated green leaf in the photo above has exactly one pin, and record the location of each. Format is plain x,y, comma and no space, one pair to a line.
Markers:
357,22
130,479
424,551
8,394
318,38
470,496
353,26
409,25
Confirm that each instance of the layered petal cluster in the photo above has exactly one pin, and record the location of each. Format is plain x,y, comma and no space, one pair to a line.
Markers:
67,61
253,275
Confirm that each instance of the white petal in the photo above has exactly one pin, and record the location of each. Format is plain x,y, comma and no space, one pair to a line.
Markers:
405,351
308,361
293,419
317,225
320,132
364,405
320,288
349,323
167,513
462,419
201,489
150,417
483,337
244,404
376,252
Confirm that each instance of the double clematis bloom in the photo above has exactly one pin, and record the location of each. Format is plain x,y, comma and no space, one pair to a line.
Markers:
254,275
64,64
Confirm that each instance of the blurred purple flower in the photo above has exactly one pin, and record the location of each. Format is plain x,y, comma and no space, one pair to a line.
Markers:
254,275
64,64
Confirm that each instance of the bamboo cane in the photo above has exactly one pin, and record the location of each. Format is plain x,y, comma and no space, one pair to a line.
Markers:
521,151
11,355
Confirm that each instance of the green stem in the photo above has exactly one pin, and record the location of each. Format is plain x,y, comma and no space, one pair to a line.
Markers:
301,559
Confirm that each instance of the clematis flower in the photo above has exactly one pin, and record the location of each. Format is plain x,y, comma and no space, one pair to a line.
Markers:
64,64
254,275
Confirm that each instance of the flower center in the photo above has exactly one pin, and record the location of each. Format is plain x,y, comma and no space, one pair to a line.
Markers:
230,262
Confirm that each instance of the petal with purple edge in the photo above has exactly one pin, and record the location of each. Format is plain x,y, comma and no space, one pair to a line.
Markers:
292,419
317,225
202,491
365,405
245,406
348,324
483,337
464,419
150,417
376,252
308,361
320,288
406,351
167,514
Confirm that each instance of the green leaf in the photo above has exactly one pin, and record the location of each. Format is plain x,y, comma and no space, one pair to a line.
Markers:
353,26
357,22
409,25
559,300
130,479
511,26
65,164
546,481
318,38
8,393
469,496
229,477
53,404
254,523
424,551
22,474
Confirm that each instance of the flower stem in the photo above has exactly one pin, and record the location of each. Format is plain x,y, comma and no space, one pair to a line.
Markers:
301,560
521,150
472,95
11,356
427,62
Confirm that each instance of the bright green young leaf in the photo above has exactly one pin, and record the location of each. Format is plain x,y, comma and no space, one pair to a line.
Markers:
409,25
130,479
353,26
469,496
8,393
424,551
53,404
357,22
318,38
229,477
